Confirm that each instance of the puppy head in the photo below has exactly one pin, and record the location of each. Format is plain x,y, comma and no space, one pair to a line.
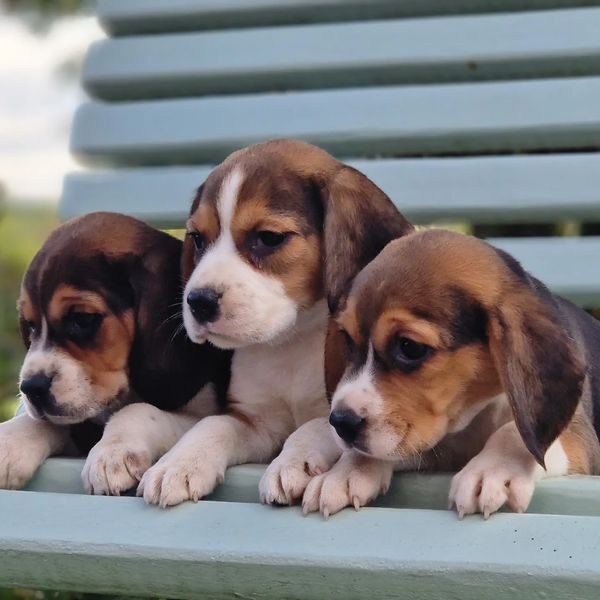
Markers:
436,325
80,306
275,229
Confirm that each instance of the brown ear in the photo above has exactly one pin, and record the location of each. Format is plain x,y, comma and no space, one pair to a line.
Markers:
187,254
359,220
335,358
540,367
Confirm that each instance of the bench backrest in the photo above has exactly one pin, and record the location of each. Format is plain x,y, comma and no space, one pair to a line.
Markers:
458,111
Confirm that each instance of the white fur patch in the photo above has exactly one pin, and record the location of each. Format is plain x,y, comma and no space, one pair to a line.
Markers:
311,450
354,480
504,472
358,393
25,443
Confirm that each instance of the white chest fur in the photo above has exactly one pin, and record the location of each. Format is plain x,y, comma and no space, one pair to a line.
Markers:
282,384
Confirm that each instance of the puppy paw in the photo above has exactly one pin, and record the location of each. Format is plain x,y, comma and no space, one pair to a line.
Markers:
484,487
113,467
353,481
286,477
17,464
22,450
176,478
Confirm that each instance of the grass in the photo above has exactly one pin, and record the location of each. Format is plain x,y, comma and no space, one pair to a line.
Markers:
22,231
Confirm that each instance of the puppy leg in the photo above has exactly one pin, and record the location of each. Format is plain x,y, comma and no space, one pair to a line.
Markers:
309,451
355,480
133,440
194,467
504,472
25,443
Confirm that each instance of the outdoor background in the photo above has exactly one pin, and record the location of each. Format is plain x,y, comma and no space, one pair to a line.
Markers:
42,45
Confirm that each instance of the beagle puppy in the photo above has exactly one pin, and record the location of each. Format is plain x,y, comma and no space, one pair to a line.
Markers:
275,235
99,314
456,358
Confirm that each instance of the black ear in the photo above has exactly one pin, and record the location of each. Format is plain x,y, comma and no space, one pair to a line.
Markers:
359,220
540,367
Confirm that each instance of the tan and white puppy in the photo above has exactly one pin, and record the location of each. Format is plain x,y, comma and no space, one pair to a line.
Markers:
99,316
275,234
456,358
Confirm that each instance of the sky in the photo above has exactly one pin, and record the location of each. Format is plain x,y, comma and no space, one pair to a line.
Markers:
37,102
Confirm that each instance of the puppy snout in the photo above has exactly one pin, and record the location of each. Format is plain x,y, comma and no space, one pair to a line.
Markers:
37,389
204,304
347,424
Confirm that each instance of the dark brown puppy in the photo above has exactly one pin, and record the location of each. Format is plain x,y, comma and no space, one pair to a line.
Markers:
100,316
276,232
454,352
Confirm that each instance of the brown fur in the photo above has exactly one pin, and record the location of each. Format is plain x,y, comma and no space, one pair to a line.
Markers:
493,329
128,273
339,220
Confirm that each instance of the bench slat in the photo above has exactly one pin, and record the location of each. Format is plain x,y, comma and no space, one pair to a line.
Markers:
225,550
504,189
353,55
152,16
484,117
562,495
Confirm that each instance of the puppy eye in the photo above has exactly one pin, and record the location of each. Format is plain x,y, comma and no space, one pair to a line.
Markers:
271,239
349,344
82,327
262,243
31,327
408,354
199,241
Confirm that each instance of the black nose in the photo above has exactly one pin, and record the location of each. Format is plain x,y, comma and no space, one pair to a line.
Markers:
347,424
37,389
204,304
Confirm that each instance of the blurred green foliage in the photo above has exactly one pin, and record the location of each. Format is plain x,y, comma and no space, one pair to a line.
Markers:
22,232
46,7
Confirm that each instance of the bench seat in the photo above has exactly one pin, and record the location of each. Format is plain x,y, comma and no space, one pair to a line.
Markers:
232,547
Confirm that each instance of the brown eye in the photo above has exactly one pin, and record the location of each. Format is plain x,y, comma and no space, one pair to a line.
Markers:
263,243
82,327
199,242
406,354
349,344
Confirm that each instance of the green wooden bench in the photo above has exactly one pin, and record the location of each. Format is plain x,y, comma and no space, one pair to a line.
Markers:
480,111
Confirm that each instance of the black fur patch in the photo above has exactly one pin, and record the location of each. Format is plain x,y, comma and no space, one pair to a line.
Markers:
469,322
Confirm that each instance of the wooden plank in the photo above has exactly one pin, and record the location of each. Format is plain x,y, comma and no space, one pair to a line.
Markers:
566,42
152,16
568,266
445,119
499,189
227,550
562,495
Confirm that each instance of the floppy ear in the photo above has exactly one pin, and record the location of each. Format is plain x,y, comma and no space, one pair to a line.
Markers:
359,220
335,358
187,254
540,368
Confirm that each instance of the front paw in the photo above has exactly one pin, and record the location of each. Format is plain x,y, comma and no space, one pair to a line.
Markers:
176,478
286,477
353,481
484,487
19,460
113,467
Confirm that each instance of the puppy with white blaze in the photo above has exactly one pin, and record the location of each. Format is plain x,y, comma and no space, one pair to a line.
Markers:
275,235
